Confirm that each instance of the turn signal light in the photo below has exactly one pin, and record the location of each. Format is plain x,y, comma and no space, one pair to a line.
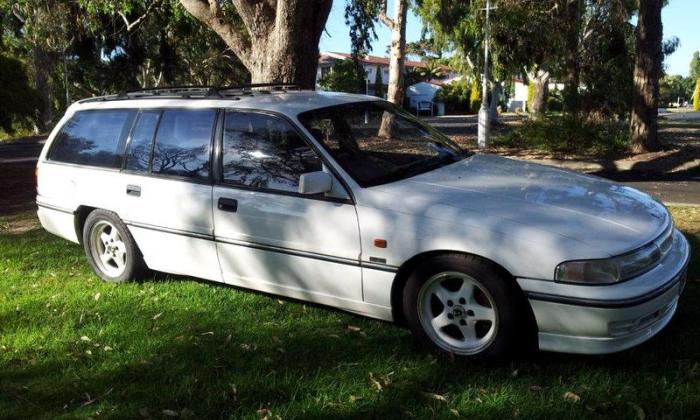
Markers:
380,243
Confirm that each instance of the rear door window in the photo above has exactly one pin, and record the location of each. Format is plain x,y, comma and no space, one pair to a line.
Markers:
182,145
138,157
94,138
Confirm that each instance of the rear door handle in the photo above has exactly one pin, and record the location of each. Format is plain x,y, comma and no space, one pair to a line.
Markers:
228,204
134,190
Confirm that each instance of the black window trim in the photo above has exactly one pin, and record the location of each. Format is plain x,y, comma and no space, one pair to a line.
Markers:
216,153
150,174
121,153
219,181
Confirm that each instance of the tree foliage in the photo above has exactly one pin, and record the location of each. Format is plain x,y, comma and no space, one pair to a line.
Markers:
694,72
342,78
82,48
696,96
673,88
18,101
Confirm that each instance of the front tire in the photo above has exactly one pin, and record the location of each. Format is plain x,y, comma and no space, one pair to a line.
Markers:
463,305
110,248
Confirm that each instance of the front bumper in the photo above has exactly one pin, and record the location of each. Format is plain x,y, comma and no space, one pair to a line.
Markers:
606,319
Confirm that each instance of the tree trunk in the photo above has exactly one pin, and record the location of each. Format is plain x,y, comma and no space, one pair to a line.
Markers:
572,76
540,80
42,66
397,52
495,98
647,69
278,41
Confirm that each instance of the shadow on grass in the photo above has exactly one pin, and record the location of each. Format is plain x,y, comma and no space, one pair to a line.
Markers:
195,349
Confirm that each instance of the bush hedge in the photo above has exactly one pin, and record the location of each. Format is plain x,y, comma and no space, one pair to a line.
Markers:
566,135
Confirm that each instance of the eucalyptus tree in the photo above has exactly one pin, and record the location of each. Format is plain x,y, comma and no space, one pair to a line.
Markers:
648,66
39,33
518,44
362,16
277,41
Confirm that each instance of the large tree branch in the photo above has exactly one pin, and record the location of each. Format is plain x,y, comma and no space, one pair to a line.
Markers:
257,15
131,25
386,20
209,14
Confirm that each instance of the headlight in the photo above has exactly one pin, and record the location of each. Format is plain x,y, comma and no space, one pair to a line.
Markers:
592,271
618,268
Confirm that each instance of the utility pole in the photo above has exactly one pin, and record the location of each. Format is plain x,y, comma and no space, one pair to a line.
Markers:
484,123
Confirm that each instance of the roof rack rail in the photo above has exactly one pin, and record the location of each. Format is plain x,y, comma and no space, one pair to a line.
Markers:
172,91
252,86
197,92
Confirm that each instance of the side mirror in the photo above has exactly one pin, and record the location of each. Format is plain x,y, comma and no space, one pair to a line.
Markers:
315,183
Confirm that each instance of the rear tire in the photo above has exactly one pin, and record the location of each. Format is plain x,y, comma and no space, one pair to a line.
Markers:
110,249
463,305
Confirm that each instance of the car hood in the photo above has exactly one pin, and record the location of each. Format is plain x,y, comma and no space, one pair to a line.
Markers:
492,192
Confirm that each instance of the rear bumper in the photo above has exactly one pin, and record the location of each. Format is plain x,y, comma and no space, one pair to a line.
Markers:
57,220
611,318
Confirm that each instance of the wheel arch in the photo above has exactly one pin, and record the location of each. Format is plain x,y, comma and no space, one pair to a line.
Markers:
410,265
81,214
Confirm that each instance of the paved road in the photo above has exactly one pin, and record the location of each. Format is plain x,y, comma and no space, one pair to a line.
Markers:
20,151
669,189
682,116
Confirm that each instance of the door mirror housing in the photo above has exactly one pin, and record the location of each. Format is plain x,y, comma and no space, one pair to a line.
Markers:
315,183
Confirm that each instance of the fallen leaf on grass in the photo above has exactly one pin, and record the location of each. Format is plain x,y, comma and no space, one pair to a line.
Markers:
97,296
171,413
375,382
85,338
434,396
156,316
571,397
354,328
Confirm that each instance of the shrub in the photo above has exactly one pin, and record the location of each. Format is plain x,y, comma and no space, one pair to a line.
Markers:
343,77
555,100
379,83
569,136
455,96
696,96
475,96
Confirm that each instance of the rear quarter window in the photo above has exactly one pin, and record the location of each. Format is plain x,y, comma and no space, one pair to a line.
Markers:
182,144
93,138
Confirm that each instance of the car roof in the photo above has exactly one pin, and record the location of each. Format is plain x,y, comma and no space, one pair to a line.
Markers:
287,102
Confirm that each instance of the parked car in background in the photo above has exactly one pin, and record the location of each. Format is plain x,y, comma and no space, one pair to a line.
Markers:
348,201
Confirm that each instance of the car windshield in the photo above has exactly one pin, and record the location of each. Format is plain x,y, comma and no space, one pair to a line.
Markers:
377,142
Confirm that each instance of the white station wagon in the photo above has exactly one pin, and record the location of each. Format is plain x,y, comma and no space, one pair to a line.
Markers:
348,201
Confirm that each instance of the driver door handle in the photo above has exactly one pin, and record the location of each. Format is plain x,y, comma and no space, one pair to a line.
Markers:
227,204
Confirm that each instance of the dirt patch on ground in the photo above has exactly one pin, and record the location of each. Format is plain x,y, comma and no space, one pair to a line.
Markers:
19,223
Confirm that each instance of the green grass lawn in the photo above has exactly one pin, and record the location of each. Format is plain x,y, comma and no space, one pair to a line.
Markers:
72,346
